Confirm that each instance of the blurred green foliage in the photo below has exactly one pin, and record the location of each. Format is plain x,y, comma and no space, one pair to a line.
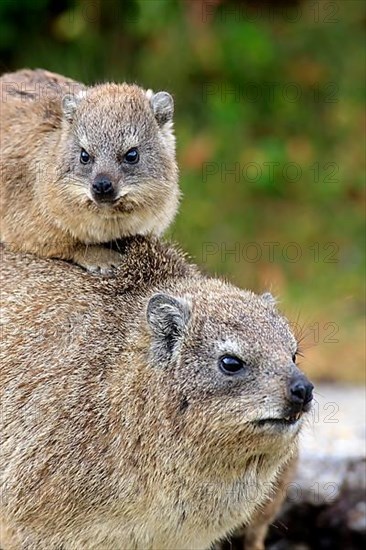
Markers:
270,129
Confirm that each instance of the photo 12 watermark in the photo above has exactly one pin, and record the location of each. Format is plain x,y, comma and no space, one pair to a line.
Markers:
316,11
269,171
318,492
270,92
269,251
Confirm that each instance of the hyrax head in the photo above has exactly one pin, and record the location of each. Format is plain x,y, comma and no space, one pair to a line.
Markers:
229,359
120,150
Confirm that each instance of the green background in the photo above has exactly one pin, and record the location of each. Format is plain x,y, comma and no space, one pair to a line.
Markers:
270,133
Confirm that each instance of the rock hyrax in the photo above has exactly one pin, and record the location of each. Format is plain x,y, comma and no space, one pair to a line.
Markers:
83,165
150,411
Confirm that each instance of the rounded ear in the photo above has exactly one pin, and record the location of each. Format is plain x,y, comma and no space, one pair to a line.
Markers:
269,298
168,317
162,105
69,104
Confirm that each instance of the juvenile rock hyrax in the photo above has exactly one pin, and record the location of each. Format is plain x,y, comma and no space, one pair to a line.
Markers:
83,165
150,411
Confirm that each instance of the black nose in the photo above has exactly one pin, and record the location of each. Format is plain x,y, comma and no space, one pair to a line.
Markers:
102,186
300,390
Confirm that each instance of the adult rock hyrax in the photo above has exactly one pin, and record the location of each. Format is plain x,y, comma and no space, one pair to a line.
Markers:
83,165
149,411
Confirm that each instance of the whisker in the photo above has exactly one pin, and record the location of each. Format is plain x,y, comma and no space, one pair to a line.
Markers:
318,393
68,180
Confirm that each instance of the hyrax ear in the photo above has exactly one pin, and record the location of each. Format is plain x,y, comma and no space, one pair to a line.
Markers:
162,105
70,103
167,317
269,298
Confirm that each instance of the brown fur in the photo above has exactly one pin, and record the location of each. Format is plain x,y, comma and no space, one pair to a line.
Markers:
255,533
47,206
119,431
253,536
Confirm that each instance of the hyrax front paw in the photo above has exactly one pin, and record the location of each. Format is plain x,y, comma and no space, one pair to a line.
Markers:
98,260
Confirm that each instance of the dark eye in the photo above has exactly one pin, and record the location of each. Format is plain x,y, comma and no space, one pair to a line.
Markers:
132,156
231,365
84,157
294,358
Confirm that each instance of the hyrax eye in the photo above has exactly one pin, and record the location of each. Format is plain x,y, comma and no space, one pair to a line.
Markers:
294,357
229,365
132,156
84,157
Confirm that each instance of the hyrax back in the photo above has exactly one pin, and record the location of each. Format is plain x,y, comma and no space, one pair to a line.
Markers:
83,165
148,411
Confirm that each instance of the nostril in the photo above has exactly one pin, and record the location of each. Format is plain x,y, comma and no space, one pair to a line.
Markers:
298,392
301,390
107,186
102,186
309,392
